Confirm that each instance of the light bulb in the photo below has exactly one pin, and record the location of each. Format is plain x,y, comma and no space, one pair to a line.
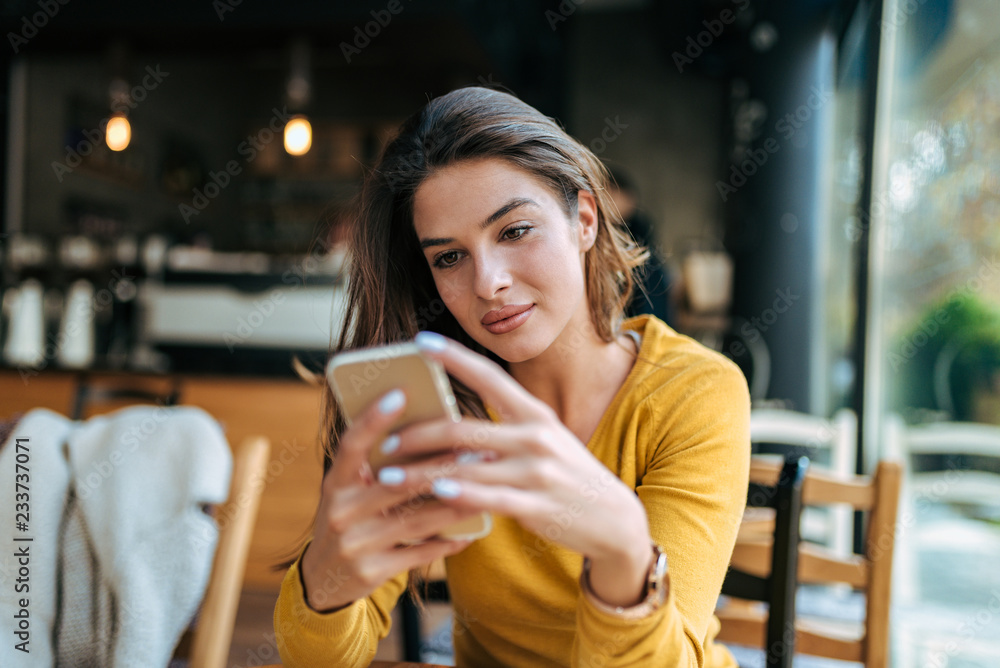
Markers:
118,134
298,136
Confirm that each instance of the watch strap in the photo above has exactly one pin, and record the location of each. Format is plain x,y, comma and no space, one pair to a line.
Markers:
657,586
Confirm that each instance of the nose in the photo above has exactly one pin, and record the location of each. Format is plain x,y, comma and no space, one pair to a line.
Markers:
492,275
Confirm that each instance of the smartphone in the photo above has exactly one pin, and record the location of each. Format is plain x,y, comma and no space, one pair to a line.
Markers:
360,377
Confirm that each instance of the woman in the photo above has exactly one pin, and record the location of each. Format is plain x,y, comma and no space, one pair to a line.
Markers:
597,445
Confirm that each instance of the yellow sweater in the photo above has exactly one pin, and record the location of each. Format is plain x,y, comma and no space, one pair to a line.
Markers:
678,433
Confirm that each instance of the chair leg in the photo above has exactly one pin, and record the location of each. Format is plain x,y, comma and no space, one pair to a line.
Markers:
411,628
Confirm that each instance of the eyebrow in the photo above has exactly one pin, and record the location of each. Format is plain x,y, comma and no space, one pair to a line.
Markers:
511,205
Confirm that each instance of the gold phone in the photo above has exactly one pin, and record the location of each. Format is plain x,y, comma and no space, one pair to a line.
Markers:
360,377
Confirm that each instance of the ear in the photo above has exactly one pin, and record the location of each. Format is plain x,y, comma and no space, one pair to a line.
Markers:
586,207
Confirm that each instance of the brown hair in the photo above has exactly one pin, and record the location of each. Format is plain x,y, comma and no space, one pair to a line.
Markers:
391,292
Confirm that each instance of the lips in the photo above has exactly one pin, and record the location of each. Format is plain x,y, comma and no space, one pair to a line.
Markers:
503,313
508,318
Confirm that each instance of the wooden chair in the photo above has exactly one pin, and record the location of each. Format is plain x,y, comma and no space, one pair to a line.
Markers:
207,644
778,586
870,573
957,444
817,438
955,464
100,393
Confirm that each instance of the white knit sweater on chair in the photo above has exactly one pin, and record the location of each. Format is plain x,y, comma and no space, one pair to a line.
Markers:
120,549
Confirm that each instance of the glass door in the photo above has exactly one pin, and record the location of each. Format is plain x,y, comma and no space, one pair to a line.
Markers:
933,365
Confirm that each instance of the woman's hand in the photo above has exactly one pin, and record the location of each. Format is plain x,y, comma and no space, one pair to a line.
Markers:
529,467
358,530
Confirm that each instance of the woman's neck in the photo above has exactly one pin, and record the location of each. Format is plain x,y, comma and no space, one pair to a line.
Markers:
578,377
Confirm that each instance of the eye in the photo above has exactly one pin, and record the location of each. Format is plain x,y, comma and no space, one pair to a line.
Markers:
446,259
516,232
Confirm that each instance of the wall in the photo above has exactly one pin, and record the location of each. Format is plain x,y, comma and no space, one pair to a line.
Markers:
187,104
673,138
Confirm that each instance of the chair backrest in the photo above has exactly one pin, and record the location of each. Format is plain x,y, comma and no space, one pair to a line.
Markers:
951,439
809,435
871,573
207,646
100,393
778,585
838,435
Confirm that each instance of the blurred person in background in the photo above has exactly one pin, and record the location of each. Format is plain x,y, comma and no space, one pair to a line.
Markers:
652,294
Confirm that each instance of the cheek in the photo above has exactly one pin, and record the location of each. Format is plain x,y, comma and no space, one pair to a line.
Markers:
556,261
449,287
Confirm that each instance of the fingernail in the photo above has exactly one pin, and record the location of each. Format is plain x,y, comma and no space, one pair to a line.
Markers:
445,488
390,444
469,457
430,341
391,475
392,402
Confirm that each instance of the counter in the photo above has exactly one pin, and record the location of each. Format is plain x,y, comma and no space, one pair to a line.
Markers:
286,411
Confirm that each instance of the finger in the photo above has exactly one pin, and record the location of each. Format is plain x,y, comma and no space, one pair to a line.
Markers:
413,556
516,472
405,523
348,506
468,435
483,376
368,429
468,495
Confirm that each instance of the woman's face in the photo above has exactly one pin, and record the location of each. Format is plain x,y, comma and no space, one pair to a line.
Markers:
506,259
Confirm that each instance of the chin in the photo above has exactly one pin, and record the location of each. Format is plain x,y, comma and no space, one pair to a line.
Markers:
514,352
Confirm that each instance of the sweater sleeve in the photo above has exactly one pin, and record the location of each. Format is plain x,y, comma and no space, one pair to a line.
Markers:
347,637
693,457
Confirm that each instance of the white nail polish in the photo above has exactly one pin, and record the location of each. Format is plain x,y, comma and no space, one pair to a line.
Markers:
391,402
391,475
390,444
445,488
469,457
431,341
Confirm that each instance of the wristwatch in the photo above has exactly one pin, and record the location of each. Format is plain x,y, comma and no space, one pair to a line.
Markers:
657,586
